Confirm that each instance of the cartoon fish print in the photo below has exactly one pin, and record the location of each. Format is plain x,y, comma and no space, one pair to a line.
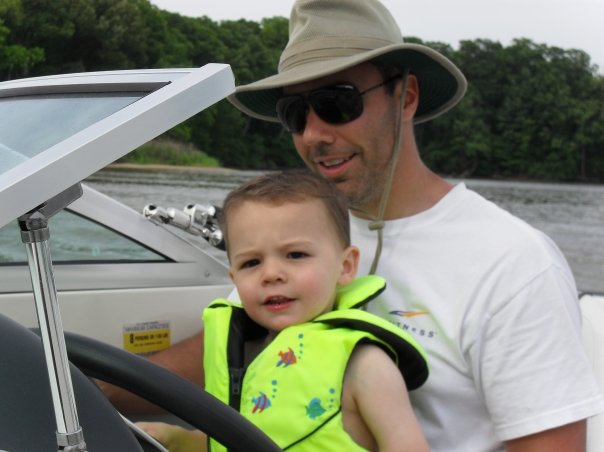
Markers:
287,358
261,402
314,408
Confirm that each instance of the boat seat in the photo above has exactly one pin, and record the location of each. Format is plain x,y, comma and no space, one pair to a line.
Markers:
27,421
592,309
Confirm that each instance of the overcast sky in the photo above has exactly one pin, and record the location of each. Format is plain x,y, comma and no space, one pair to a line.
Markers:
569,24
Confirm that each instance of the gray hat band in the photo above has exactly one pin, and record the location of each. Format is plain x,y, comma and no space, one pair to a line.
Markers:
336,47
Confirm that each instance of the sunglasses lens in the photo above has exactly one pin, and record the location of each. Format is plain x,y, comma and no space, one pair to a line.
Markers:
337,105
291,111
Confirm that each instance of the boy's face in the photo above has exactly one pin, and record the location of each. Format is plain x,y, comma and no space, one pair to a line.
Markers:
286,261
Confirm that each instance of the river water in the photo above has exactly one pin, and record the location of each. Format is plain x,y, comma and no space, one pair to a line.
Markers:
571,214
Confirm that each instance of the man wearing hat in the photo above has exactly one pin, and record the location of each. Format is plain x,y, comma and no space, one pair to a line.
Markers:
491,299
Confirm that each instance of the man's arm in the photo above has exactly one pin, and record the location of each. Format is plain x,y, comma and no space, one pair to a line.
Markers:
184,358
567,438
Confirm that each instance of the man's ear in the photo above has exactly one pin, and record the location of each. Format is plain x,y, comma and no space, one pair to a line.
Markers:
411,98
350,265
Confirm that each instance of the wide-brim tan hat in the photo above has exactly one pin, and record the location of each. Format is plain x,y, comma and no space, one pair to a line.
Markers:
328,36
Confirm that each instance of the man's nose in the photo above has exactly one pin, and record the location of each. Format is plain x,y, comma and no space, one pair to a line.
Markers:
316,130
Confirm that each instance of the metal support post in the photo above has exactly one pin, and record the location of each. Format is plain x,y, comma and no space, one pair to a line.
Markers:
35,234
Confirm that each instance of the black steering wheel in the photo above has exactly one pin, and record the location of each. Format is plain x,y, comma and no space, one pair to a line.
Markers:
27,419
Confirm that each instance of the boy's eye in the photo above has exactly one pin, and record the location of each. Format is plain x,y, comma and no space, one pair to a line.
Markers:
250,263
297,255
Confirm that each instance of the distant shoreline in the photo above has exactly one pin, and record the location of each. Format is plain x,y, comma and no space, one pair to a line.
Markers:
175,168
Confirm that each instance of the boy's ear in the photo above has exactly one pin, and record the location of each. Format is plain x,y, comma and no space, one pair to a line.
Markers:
350,265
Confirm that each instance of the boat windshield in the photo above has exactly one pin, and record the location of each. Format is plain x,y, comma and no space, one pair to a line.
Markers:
57,130
32,124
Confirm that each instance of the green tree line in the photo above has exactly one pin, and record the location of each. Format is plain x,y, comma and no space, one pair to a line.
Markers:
531,111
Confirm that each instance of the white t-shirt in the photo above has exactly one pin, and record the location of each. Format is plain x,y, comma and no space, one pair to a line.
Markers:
494,303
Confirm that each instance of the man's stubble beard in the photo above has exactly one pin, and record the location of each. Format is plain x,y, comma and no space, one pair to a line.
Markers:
364,190
371,179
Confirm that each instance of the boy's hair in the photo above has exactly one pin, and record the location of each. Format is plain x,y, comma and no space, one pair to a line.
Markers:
291,186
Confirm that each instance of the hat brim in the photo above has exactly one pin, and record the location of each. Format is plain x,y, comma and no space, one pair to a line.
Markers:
441,83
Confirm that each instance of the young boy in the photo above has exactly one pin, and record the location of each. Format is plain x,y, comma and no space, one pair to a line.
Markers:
319,375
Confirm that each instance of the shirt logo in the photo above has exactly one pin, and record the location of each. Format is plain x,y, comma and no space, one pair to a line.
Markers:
409,327
408,314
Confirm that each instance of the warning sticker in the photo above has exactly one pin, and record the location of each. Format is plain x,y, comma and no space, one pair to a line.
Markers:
144,338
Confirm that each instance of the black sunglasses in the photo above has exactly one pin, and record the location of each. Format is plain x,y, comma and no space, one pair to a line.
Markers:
337,104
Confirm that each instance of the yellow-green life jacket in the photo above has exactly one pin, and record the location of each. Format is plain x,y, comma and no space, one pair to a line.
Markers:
292,390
